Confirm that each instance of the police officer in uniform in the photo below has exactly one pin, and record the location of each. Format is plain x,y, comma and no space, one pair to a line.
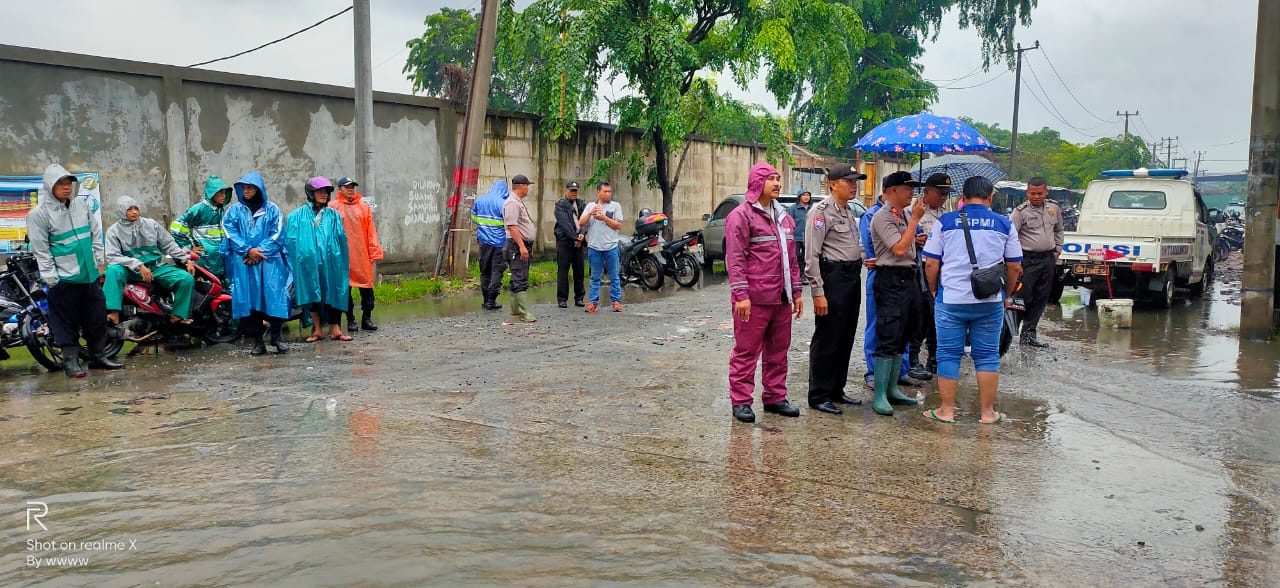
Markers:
833,265
1040,230
937,189
899,301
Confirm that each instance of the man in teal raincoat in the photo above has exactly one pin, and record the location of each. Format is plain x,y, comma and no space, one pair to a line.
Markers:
253,250
200,227
317,245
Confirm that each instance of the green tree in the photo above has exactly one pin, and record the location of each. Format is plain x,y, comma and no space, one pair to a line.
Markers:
887,81
440,61
1062,163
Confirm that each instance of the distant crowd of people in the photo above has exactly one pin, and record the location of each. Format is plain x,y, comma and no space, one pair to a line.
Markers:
936,281
310,259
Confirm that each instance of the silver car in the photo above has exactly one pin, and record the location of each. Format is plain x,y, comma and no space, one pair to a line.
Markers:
713,232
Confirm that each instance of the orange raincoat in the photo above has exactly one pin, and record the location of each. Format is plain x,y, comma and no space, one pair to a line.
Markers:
362,237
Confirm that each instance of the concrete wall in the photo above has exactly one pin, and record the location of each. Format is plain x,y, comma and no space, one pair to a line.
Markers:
157,132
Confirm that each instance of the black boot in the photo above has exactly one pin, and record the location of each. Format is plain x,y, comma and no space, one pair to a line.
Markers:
351,323
278,343
98,359
493,301
366,321
71,362
259,348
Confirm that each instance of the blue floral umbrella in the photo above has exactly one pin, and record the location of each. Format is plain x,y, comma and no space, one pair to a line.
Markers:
924,132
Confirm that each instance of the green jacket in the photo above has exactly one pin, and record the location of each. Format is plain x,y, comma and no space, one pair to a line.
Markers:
202,225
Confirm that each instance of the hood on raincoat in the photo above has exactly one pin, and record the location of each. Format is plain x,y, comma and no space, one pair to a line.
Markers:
499,189
122,208
755,181
52,174
315,184
253,178
211,188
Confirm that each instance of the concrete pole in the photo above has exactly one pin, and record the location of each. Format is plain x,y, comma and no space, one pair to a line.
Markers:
364,101
1257,303
1017,96
466,176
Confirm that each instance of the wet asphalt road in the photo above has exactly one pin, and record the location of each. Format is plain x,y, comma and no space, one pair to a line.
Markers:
449,449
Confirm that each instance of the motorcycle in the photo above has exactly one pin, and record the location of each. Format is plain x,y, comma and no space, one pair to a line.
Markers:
144,316
641,254
1231,238
683,259
24,309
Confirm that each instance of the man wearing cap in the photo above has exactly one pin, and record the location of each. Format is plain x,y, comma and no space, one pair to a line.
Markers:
363,250
1040,231
937,188
520,235
898,297
570,247
834,269
869,338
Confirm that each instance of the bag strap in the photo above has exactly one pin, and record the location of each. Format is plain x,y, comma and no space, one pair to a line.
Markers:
968,240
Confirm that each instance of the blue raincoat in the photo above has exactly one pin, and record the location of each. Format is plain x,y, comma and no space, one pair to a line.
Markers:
317,245
263,287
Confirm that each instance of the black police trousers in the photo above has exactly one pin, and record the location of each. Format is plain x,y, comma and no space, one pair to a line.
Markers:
899,306
832,345
1037,283
492,266
519,267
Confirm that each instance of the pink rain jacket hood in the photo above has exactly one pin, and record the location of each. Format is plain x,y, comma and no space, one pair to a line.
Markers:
755,181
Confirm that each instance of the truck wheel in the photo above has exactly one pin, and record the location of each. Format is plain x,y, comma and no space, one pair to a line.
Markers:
1206,281
1165,298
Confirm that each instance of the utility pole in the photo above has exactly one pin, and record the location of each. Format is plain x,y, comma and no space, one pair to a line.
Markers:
1017,95
1258,293
1126,114
1168,146
466,176
364,100
1199,155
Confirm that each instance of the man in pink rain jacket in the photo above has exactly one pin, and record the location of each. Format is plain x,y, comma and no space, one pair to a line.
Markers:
764,277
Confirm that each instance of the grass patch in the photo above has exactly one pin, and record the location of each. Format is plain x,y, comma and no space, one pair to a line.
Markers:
407,288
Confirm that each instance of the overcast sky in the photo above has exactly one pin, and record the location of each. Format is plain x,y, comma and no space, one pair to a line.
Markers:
1186,65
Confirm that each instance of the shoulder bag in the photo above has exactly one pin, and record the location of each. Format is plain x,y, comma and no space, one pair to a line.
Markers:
988,281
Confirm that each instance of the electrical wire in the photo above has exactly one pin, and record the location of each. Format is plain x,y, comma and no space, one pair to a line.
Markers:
910,89
1032,92
1068,88
1149,134
1062,117
284,38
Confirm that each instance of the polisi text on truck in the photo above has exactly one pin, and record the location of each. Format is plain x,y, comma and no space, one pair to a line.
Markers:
1134,250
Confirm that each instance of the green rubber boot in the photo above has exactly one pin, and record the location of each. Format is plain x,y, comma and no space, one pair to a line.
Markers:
515,305
896,397
522,303
884,375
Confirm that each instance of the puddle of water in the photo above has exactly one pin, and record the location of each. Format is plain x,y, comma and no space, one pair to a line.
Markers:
1195,340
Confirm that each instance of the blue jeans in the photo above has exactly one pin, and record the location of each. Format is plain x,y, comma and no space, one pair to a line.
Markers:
980,324
601,262
870,340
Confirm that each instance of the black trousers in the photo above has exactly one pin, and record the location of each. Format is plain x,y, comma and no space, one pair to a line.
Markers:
899,305
366,302
831,348
1037,284
75,310
492,266
252,325
926,334
800,256
519,267
569,256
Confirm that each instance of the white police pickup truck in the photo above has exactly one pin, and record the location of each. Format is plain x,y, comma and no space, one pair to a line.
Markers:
1142,234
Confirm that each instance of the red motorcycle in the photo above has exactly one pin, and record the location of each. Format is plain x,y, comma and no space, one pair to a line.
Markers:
144,314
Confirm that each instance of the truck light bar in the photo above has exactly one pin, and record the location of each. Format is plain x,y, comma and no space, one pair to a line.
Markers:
1143,172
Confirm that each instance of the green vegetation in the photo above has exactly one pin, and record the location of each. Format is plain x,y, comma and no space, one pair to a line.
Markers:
404,289
1045,153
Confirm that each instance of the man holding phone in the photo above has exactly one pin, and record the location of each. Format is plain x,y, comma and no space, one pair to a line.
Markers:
602,219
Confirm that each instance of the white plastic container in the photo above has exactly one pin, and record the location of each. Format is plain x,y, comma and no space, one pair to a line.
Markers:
1115,313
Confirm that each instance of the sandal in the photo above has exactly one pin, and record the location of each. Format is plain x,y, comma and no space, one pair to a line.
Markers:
999,419
932,414
591,308
312,339
342,337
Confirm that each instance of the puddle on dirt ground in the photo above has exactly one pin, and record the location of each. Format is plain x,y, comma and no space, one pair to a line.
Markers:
1194,340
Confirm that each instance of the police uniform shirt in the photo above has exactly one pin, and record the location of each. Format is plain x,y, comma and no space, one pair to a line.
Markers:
1039,227
931,215
886,231
829,233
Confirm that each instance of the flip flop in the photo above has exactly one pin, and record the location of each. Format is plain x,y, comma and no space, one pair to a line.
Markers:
931,414
999,419
342,338
312,339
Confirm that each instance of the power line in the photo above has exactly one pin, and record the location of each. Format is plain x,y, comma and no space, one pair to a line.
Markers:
910,89
1068,88
1146,130
284,38
1054,115
1061,117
